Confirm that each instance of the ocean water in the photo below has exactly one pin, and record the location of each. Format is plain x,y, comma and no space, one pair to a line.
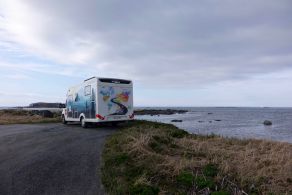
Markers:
233,122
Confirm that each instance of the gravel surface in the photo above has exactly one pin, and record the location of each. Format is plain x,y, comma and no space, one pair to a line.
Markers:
51,159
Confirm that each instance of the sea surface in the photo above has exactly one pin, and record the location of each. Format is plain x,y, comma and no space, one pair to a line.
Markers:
232,121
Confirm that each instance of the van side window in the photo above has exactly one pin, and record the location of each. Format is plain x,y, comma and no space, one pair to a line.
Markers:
87,90
76,97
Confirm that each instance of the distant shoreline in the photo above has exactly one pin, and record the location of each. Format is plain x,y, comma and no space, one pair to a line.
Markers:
158,111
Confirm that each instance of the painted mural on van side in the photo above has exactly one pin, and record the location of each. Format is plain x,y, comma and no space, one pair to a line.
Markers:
116,100
82,101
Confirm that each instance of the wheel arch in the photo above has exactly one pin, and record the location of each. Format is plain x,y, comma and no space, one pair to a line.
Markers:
82,115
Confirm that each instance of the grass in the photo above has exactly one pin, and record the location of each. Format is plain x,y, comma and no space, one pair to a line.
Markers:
154,158
24,117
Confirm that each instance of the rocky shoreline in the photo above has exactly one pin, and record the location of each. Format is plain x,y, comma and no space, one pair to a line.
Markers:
158,111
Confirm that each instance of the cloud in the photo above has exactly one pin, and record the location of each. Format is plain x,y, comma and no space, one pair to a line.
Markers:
17,76
157,44
51,69
25,98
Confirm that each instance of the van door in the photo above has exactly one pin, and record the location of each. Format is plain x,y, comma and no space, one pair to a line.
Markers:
115,101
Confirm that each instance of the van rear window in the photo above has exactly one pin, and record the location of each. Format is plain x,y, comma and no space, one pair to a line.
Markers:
115,81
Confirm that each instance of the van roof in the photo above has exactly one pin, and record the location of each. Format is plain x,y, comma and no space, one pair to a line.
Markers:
109,80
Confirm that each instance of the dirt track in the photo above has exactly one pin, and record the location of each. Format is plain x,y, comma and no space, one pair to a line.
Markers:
51,159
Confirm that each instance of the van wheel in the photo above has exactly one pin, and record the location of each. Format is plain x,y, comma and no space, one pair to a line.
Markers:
64,120
83,123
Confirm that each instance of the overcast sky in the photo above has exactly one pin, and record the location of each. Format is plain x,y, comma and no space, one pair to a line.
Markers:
178,53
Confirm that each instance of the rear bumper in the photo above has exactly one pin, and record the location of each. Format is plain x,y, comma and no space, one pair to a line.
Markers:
106,119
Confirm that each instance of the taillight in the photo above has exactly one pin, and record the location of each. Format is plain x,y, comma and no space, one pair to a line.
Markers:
99,116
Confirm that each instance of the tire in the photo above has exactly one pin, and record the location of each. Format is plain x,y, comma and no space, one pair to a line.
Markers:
83,123
64,120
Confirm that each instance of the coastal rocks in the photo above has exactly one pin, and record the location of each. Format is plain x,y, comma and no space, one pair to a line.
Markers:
158,112
267,123
210,121
176,121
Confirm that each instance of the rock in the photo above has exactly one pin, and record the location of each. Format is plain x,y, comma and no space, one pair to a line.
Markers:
217,120
176,120
267,123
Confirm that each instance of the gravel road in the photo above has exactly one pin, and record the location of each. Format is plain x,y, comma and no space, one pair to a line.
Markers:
51,159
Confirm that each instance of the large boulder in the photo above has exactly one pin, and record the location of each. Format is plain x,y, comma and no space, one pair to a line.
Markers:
267,123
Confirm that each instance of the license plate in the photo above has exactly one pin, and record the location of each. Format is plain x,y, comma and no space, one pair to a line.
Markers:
117,117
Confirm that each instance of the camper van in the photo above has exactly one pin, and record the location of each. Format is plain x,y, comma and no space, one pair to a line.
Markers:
99,100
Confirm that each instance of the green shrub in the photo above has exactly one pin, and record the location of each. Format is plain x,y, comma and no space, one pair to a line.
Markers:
132,172
143,189
117,160
210,170
201,183
221,192
178,133
185,179
155,146
162,140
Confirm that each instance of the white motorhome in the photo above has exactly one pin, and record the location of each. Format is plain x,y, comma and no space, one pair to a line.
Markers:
99,100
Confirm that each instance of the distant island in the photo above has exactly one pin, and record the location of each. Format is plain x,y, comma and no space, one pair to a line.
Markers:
158,111
46,105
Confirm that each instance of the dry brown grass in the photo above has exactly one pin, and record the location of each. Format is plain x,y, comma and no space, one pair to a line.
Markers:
160,155
266,164
22,117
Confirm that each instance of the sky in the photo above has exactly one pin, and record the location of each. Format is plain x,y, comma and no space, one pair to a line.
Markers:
178,53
